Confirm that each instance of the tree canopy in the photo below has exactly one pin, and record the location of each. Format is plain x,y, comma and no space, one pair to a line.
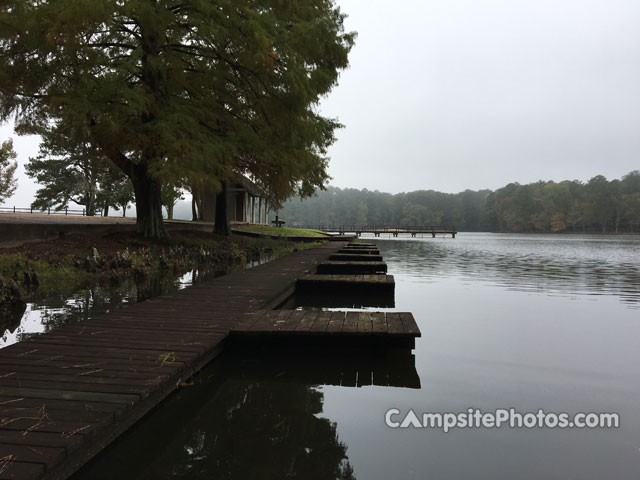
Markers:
8,165
172,90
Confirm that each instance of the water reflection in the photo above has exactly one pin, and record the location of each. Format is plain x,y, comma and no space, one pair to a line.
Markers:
563,265
252,416
59,307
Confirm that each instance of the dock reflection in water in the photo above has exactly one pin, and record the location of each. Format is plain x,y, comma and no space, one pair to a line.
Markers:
253,416
343,300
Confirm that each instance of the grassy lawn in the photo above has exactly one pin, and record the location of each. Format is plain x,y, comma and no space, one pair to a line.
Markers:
281,231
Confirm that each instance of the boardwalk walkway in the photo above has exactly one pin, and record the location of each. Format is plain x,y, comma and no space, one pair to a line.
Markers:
67,394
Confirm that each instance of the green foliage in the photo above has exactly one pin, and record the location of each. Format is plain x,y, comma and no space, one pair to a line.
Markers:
172,90
599,205
78,173
169,197
120,194
8,183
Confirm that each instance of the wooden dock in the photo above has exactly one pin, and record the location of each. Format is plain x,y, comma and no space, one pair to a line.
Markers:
374,283
338,267
355,257
67,394
395,231
360,251
395,329
362,246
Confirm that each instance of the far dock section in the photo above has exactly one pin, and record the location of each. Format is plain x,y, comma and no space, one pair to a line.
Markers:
376,283
338,267
394,231
67,394
357,267
351,257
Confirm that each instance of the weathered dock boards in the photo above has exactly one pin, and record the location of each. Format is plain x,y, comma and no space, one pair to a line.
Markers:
347,328
362,246
67,394
360,251
372,283
351,257
351,267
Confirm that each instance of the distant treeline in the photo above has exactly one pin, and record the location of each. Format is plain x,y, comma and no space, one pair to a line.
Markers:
598,205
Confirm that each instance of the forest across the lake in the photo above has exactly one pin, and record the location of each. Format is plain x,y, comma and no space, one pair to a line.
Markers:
599,205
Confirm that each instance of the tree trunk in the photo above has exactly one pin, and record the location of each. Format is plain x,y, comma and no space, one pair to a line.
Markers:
221,226
106,210
91,208
201,207
194,211
124,210
169,212
148,203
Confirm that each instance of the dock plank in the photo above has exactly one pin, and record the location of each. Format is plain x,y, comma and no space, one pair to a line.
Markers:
394,324
13,469
379,323
350,323
47,456
365,323
335,323
409,323
306,323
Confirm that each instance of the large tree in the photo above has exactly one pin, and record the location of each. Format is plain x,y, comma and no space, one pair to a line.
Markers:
8,167
174,89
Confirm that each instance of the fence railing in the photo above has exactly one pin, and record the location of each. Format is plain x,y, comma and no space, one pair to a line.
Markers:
382,228
48,211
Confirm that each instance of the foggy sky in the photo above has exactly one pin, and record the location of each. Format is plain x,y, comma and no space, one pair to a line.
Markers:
456,94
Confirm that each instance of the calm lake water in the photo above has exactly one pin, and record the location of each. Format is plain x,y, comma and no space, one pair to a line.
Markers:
522,321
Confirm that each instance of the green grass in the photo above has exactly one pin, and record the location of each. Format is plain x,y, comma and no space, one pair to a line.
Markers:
281,231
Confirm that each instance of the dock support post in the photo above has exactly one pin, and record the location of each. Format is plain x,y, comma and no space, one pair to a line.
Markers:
433,235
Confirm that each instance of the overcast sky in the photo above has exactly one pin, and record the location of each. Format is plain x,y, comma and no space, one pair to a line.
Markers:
456,94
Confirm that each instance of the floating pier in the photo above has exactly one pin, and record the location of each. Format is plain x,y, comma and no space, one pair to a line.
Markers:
372,283
360,251
338,267
355,257
395,329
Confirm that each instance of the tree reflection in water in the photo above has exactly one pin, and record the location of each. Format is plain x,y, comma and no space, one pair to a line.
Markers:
231,426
